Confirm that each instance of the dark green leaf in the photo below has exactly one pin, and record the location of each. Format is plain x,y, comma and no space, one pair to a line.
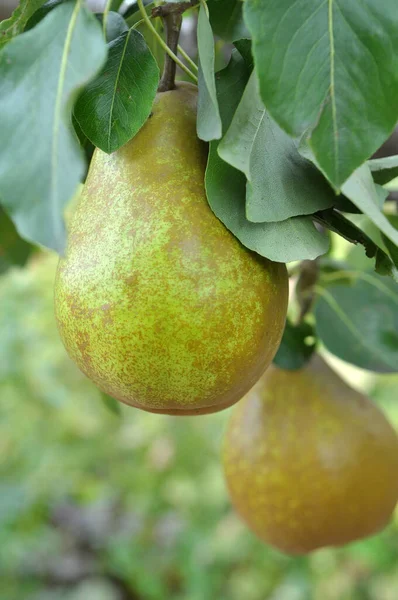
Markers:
116,104
297,346
13,26
289,240
133,13
209,121
244,47
115,25
392,249
336,222
330,67
226,19
359,323
111,404
41,162
14,251
384,169
385,266
116,4
40,13
281,183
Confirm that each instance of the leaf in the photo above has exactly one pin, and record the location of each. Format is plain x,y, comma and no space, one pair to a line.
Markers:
133,13
297,346
14,251
226,19
359,323
208,121
293,239
11,27
392,249
116,104
385,266
43,68
244,47
369,197
330,67
111,404
384,169
115,25
281,183
373,245
41,12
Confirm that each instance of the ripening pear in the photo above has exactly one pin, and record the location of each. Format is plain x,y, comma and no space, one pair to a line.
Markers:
310,462
156,301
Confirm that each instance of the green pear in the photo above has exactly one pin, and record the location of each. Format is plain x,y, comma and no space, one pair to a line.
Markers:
309,461
156,301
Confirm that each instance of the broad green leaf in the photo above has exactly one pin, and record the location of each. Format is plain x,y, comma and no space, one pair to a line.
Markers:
297,346
14,251
115,25
280,182
41,161
11,27
331,67
359,323
385,169
369,197
226,19
115,105
209,121
293,239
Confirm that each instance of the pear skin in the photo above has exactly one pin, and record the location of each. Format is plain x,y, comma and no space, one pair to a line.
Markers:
310,462
155,300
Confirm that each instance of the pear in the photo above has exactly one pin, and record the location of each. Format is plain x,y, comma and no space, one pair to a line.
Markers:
156,301
310,462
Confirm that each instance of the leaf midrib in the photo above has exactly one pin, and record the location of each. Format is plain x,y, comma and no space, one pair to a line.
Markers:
57,109
115,88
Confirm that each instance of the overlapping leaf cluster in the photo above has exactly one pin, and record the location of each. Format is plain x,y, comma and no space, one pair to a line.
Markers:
292,121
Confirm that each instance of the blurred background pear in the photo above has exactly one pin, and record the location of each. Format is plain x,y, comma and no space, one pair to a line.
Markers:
309,461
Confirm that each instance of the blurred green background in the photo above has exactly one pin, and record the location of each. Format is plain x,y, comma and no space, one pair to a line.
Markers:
100,506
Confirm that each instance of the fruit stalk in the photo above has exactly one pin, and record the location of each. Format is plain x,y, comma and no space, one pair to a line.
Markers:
309,273
175,8
172,24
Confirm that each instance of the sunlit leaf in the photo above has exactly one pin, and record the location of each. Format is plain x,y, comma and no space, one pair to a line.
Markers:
115,105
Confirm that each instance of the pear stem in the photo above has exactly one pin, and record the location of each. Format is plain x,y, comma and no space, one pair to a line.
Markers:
172,24
163,43
305,292
176,7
